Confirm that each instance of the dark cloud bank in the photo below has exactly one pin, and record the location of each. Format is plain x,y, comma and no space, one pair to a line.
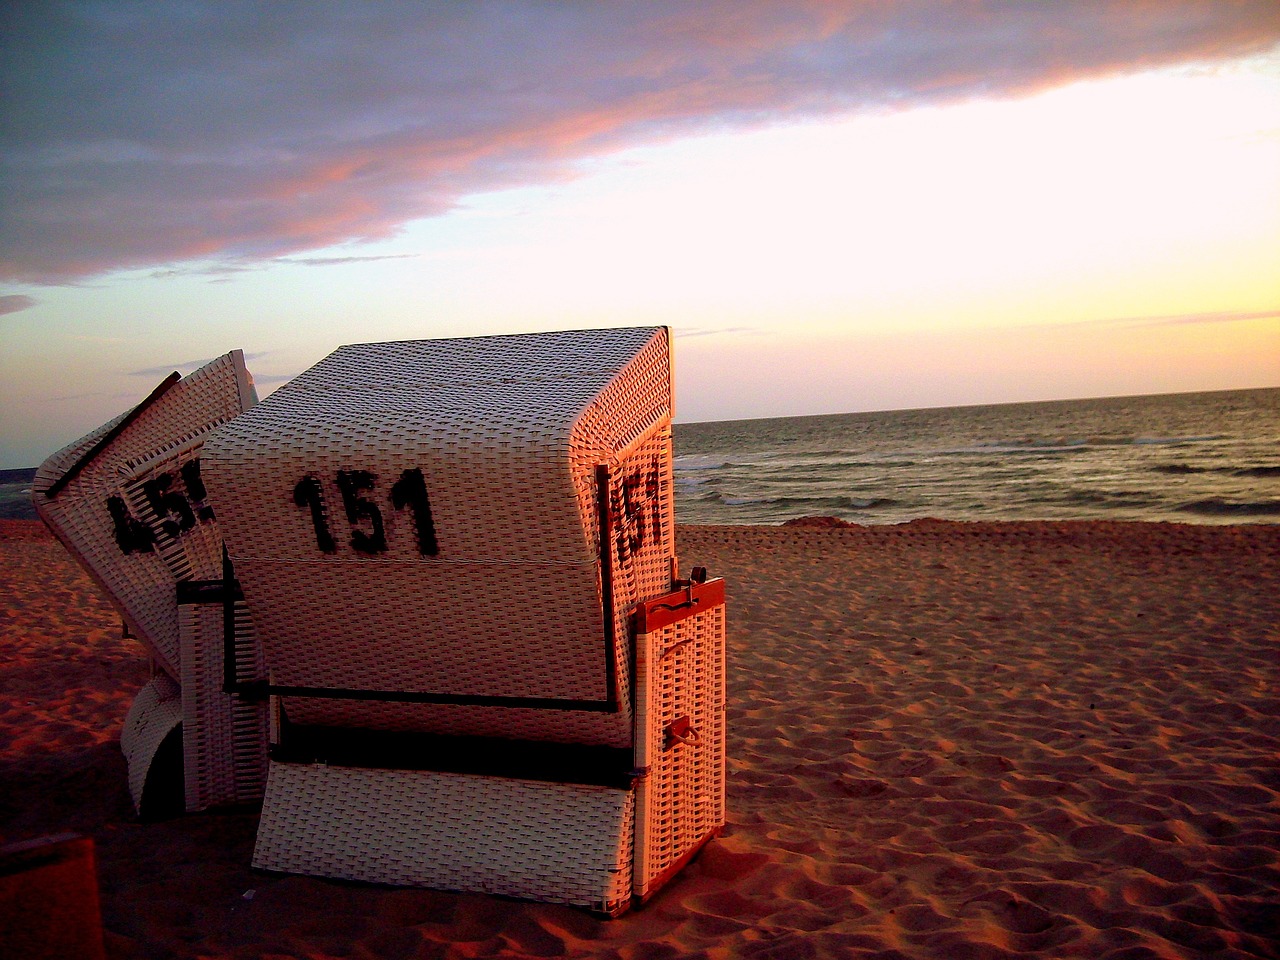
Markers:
154,132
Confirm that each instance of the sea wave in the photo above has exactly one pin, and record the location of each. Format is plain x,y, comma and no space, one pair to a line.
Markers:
828,503
1068,443
1174,441
1108,498
872,503
1035,444
689,481
837,503
695,461
1187,468
1217,507
810,465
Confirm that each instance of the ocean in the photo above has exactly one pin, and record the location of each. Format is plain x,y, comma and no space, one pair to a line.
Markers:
1189,458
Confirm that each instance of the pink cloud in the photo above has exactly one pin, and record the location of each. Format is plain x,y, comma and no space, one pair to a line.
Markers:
145,134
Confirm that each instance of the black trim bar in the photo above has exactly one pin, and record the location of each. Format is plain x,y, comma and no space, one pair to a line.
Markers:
607,611
486,756
88,456
473,700
208,591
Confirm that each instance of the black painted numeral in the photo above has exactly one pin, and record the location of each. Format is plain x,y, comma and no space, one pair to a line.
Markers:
308,493
361,509
411,491
174,512
178,507
634,502
132,535
365,517
196,491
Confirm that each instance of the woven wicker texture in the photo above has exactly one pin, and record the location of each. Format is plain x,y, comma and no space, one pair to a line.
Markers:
558,843
422,518
155,711
96,487
224,736
681,799
189,545
641,549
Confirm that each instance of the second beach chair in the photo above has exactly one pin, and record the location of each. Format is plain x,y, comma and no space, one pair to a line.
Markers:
129,502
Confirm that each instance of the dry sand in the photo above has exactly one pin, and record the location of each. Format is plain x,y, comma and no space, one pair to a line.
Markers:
946,740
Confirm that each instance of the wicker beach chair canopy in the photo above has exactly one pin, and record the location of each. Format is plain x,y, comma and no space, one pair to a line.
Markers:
416,527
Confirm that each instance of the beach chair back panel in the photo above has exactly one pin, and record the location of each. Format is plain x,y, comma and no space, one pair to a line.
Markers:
399,613
640,545
439,540
450,636
87,494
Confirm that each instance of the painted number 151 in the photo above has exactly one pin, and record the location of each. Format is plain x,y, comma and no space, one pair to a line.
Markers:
368,531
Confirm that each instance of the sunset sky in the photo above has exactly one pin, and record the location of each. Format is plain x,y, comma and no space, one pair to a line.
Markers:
836,206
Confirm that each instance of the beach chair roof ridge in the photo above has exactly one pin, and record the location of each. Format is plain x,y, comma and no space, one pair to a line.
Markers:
513,359
519,393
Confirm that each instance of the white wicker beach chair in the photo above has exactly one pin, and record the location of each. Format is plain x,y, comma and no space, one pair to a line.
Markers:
128,501
459,560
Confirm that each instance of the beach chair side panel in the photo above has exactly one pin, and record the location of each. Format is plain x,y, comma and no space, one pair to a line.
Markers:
224,732
621,455
224,726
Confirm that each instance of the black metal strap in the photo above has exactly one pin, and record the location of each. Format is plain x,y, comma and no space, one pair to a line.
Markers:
472,700
227,593
485,756
607,610
89,455
208,591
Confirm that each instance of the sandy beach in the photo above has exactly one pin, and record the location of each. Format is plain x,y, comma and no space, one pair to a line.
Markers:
946,740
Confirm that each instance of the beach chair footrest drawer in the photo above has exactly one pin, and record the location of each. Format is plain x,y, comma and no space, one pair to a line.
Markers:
534,840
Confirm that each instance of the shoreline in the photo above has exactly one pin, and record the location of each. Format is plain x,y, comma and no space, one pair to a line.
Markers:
32,528
946,738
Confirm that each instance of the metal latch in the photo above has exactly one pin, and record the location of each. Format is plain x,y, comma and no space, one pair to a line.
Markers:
680,730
